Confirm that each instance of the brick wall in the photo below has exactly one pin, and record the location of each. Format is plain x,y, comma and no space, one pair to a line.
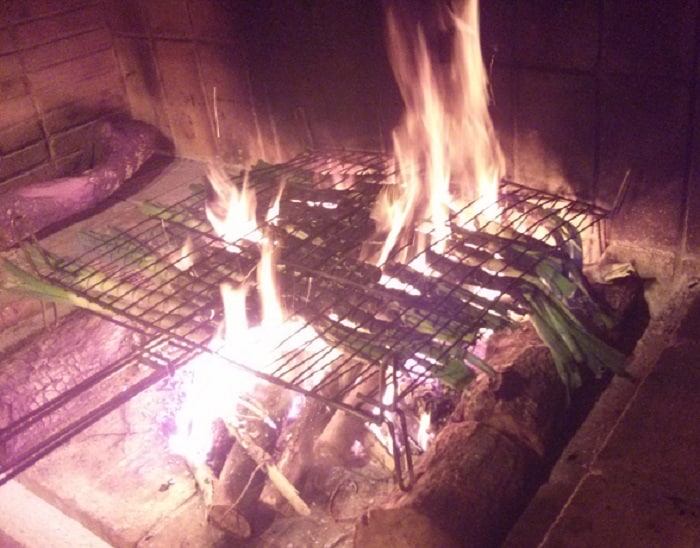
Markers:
236,81
58,75
587,90
248,80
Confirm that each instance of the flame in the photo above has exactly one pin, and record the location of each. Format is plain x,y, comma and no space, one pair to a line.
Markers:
448,158
231,212
446,131
213,386
392,211
185,259
218,384
272,314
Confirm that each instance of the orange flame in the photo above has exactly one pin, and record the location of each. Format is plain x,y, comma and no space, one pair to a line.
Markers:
231,212
447,129
216,385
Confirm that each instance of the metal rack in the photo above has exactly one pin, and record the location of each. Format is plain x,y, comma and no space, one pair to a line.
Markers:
322,232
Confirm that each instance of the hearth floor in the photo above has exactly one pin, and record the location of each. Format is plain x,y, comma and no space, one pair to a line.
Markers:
630,476
117,478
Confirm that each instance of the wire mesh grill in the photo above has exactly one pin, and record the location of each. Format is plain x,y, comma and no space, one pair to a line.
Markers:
395,327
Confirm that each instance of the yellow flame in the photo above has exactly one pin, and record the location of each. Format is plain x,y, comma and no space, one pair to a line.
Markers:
216,381
447,129
483,166
268,286
231,212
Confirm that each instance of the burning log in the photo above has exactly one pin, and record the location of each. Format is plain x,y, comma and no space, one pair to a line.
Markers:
124,145
483,466
231,489
334,446
296,451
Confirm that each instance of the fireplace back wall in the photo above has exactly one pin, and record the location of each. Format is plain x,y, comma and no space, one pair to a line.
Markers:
584,91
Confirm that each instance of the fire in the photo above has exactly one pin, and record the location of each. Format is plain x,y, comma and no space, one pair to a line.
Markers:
446,146
231,212
218,384
447,156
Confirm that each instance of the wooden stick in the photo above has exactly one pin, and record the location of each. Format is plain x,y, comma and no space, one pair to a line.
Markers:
265,461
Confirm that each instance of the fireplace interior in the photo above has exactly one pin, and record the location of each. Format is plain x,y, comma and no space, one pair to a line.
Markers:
594,104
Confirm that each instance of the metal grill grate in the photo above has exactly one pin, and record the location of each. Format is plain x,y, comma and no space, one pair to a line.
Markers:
395,335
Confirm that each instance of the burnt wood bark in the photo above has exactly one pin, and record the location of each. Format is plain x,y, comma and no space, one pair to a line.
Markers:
53,365
478,475
122,147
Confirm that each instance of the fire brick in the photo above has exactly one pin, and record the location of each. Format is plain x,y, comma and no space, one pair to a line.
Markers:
141,80
42,31
20,135
98,102
16,111
168,18
21,10
645,123
23,160
544,37
649,38
693,219
189,119
555,131
65,49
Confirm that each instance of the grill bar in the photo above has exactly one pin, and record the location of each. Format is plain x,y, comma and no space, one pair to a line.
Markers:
322,232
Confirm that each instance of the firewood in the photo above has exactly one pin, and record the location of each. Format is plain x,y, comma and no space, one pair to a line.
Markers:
490,455
236,490
334,446
297,450
27,210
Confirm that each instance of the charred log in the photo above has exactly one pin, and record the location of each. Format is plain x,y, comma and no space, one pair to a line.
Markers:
236,491
124,147
485,464
296,451
57,377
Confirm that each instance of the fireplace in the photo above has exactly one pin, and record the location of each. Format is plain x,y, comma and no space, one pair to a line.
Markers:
584,106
